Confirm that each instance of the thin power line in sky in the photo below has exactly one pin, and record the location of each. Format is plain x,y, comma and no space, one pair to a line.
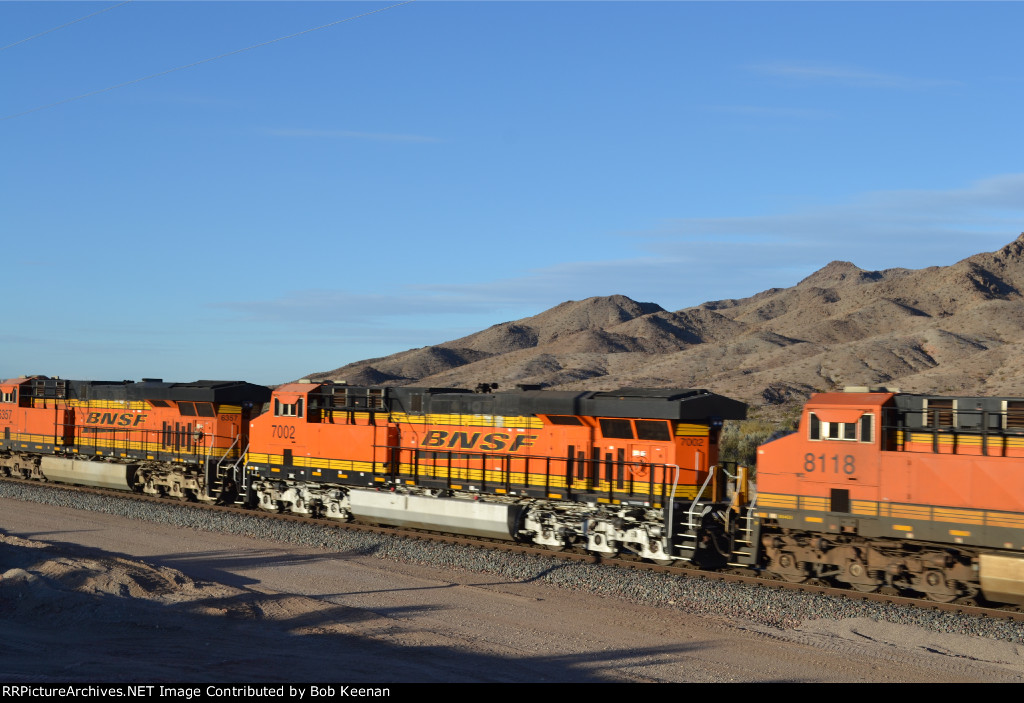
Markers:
198,63
66,24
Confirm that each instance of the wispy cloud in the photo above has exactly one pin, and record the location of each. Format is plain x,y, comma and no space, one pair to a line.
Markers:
690,260
847,75
348,134
988,206
685,262
905,228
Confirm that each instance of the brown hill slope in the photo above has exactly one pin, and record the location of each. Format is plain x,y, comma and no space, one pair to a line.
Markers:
944,329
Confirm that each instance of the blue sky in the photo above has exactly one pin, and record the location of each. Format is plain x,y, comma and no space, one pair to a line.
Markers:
413,175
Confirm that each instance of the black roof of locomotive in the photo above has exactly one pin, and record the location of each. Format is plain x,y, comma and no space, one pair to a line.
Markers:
969,412
669,404
234,392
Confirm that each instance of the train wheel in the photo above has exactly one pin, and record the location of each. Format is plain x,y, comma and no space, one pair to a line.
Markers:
610,548
786,567
549,535
856,572
660,547
942,592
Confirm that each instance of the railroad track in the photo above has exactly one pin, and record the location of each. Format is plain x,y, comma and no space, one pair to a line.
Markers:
964,608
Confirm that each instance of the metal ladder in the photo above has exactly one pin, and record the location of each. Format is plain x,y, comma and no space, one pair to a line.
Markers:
225,466
688,545
748,531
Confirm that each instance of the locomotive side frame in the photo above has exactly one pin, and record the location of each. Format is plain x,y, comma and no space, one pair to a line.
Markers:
178,440
607,470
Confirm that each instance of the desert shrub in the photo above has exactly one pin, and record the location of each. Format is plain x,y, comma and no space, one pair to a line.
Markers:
740,439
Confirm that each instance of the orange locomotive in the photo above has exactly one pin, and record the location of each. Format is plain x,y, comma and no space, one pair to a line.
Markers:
876,488
173,439
618,470
921,493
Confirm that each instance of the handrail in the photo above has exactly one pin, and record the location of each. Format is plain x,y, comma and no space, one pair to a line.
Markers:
243,482
228,451
700,493
750,514
671,504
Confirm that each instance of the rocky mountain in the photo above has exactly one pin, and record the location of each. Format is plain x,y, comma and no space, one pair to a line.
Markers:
955,329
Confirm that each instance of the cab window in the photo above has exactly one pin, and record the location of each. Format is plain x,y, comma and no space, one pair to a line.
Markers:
656,430
867,428
288,409
616,429
862,430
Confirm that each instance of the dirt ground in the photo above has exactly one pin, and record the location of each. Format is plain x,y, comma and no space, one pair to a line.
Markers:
96,598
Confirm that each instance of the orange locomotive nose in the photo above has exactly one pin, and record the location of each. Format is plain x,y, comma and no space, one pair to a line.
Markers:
916,492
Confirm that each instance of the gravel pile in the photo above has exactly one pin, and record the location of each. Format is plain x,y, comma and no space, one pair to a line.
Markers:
764,606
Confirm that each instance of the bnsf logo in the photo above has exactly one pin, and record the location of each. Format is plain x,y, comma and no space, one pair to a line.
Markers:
494,441
124,419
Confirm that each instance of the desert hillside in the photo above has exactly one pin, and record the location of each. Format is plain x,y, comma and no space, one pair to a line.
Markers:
955,329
